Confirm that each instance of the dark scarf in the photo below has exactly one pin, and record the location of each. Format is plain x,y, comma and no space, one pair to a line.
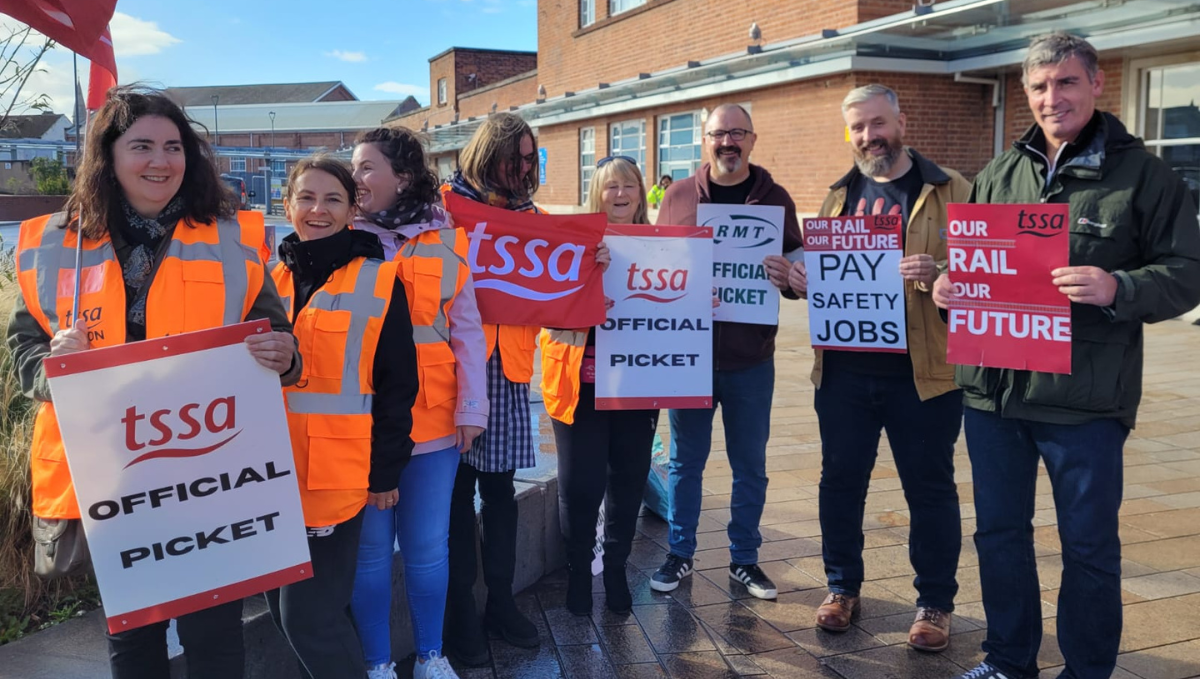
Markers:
494,197
143,236
312,262
406,211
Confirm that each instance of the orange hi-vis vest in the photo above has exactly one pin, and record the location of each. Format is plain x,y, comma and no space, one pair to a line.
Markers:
329,409
517,343
433,267
562,363
210,276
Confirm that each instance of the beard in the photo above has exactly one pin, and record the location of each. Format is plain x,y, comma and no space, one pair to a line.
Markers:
728,163
878,166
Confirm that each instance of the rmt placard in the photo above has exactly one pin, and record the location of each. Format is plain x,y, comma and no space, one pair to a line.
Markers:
855,292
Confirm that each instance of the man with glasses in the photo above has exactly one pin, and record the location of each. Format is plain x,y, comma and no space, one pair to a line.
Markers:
743,367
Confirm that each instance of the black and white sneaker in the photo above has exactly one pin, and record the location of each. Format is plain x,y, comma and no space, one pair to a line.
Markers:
754,579
668,575
984,671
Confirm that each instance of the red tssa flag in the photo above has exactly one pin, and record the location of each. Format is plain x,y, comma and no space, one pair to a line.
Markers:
81,26
103,75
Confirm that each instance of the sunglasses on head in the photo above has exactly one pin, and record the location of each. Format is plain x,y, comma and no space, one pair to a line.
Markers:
608,159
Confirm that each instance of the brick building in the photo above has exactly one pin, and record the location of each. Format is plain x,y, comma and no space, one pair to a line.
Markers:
638,77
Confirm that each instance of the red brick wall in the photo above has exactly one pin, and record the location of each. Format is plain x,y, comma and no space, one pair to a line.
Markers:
669,33
489,67
515,93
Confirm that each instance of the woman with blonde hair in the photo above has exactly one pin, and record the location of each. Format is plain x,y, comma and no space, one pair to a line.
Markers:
602,454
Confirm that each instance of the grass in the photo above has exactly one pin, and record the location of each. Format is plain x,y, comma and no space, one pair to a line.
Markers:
26,603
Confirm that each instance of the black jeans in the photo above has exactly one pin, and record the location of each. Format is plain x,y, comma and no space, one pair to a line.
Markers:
212,644
499,515
852,408
314,614
603,456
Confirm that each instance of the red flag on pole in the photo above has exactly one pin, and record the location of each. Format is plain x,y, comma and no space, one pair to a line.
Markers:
76,24
103,74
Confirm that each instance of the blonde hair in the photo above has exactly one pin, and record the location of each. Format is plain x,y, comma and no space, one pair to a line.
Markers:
621,170
498,139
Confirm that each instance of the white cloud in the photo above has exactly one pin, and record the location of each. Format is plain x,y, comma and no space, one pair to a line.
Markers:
393,87
352,57
135,37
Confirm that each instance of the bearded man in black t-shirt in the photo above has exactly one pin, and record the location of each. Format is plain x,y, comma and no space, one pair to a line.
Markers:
909,395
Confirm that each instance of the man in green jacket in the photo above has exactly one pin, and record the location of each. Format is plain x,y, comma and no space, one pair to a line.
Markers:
1135,259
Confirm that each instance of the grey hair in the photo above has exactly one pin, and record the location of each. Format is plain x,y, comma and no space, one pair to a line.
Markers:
860,94
1057,47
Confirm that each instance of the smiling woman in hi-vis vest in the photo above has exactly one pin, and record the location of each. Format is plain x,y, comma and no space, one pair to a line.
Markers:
157,224
351,413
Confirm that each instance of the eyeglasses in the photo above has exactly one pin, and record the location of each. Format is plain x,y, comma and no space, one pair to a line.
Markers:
736,134
608,159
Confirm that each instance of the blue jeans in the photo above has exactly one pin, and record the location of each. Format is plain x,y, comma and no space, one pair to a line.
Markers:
420,523
1084,464
745,400
852,408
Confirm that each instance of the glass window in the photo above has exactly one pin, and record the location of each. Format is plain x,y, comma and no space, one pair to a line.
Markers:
441,90
1170,120
278,166
618,6
237,164
629,139
587,12
679,145
587,161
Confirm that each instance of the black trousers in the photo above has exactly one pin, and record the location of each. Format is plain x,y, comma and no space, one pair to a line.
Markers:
212,644
603,456
499,513
314,614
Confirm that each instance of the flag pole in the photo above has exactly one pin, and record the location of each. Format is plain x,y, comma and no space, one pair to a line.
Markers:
78,226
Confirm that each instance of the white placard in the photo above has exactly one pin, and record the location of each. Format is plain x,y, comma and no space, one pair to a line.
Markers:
742,236
183,469
855,291
655,348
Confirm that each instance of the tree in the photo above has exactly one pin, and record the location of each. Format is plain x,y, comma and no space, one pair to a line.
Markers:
21,50
50,177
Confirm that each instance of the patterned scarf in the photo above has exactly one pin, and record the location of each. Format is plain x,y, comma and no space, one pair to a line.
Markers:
144,236
493,197
406,211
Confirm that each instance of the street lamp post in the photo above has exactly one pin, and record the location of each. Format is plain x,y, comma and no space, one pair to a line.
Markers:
216,123
268,187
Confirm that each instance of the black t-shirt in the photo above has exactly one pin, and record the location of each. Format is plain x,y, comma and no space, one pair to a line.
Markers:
731,195
867,196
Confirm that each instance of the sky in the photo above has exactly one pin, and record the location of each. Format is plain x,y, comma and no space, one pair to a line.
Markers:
379,48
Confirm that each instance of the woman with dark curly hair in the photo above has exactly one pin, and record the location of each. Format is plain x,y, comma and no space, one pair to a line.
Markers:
167,254
399,202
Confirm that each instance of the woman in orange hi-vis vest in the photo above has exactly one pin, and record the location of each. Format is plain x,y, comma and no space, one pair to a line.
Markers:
157,222
350,415
603,455
498,166
399,204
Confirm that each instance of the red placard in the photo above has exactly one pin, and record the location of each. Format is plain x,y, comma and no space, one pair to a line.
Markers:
1007,312
532,269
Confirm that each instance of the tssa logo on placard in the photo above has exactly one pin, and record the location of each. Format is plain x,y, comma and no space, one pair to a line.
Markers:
656,285
184,424
562,264
1040,224
748,231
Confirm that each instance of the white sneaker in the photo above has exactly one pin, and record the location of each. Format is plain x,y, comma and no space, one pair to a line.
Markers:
384,671
435,667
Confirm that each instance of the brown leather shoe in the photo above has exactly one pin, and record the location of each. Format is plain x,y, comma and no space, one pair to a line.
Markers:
930,631
836,611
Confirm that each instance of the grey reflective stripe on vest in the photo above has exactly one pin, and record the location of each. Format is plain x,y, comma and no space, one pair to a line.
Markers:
48,258
232,254
362,305
439,331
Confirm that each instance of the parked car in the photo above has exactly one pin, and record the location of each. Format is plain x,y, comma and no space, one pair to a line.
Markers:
238,186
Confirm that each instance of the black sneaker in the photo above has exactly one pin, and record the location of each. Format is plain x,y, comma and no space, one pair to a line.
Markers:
984,671
668,575
754,579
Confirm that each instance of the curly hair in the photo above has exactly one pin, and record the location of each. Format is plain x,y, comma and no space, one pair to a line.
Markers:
405,150
95,201
499,139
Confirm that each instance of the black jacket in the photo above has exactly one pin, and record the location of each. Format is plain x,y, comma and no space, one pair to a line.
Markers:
395,376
